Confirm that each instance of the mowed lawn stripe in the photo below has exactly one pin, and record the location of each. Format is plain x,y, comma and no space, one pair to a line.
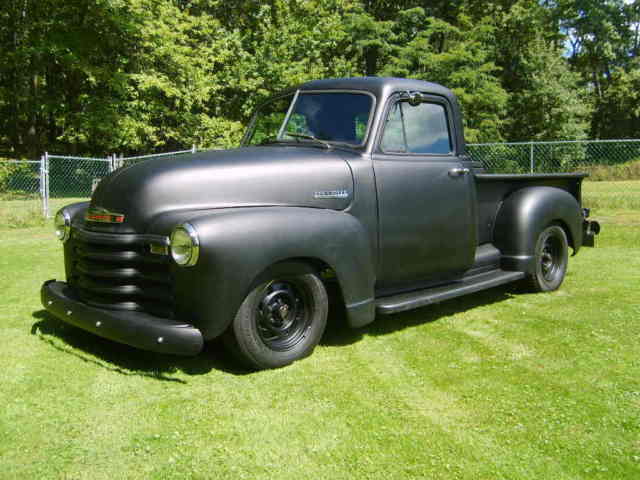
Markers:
501,384
566,379
496,451
437,419
41,412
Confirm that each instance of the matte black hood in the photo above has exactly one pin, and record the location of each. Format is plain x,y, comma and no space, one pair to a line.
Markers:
244,177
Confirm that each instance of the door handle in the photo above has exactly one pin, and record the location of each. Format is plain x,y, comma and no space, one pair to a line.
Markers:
458,172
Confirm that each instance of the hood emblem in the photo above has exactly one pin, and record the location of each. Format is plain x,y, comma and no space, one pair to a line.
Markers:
331,194
102,215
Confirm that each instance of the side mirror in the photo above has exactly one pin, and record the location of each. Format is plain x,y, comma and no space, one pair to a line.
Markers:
413,98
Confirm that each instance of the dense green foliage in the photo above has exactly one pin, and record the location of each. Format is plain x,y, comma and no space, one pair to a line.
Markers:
94,76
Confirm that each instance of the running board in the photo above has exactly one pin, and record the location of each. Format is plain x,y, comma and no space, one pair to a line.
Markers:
407,301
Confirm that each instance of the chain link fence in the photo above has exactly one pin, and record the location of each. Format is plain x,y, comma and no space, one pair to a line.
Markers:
31,190
21,191
119,162
613,166
602,159
72,179
20,179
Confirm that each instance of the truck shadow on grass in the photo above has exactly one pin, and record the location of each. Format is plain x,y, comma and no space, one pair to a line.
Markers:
127,360
338,333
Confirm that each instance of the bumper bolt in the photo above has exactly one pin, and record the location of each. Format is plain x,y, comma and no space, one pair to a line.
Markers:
160,339
68,313
50,302
98,323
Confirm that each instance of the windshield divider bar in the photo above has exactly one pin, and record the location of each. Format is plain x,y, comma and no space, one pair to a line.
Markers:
286,118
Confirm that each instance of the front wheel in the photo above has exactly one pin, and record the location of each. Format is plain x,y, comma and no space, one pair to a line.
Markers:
551,259
279,322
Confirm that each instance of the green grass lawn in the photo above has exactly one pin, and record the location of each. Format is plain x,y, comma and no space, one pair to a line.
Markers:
22,213
498,385
614,195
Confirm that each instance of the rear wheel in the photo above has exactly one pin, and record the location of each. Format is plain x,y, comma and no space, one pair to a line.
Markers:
551,259
279,322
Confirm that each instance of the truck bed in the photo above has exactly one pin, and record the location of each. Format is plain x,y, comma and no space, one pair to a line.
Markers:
528,176
492,188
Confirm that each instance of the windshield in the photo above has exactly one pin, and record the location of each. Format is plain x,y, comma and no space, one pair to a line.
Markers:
329,116
268,120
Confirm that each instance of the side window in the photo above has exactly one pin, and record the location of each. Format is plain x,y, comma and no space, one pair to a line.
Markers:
393,139
421,128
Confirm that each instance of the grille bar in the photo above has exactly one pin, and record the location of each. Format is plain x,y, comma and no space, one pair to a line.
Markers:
121,274
98,270
160,293
118,256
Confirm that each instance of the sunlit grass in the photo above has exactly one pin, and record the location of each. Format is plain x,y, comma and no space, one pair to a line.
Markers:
612,195
498,385
23,213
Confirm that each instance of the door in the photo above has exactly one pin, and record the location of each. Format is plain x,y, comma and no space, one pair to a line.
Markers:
426,201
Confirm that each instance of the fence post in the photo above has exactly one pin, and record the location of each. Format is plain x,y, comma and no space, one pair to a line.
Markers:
45,180
531,162
193,148
41,178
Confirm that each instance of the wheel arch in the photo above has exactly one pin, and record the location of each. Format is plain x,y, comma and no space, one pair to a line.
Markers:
524,214
302,266
567,231
290,267
239,248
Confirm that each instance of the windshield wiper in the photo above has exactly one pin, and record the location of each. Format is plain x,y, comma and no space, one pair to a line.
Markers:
309,137
269,139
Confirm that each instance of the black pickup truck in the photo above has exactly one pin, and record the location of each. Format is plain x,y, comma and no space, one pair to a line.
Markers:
360,182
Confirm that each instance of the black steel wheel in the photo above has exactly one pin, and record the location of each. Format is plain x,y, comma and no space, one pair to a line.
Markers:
551,259
282,315
279,322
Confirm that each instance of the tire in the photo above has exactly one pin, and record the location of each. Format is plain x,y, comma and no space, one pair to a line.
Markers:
551,259
279,322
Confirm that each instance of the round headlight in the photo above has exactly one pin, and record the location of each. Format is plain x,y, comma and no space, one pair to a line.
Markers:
62,225
185,246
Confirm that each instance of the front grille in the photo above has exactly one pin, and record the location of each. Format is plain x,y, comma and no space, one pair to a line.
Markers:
119,272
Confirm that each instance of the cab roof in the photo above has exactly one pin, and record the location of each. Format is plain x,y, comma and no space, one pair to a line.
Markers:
378,86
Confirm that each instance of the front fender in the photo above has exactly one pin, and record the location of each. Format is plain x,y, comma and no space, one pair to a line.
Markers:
524,214
77,211
237,244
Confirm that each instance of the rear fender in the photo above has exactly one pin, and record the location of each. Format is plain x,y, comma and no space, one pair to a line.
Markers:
238,245
524,214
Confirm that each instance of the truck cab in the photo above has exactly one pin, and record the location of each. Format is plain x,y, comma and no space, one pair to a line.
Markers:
360,182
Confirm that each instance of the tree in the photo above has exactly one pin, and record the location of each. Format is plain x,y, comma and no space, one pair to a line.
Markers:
95,76
456,57
604,39
549,104
619,114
